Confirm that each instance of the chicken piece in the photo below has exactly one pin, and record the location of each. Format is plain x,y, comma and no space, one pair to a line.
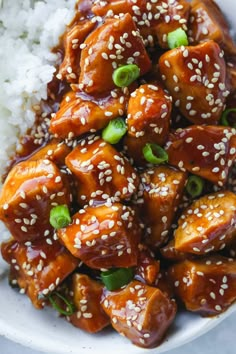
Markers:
73,39
87,294
148,267
150,17
116,42
148,119
101,172
206,151
207,285
163,283
38,266
54,151
196,78
160,194
30,191
104,236
170,253
208,22
81,113
173,15
231,76
209,224
140,312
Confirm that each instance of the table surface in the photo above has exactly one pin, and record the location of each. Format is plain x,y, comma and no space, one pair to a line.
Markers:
220,340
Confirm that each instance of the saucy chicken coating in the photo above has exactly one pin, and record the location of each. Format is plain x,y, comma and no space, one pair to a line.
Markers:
196,78
38,266
208,22
208,225
104,236
160,194
55,151
206,285
86,295
140,312
30,191
101,172
206,151
80,113
116,42
148,119
152,18
148,267
73,39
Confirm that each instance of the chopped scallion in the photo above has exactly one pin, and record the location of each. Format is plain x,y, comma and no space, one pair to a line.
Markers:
224,120
70,309
155,154
114,131
195,186
116,278
125,75
60,216
177,38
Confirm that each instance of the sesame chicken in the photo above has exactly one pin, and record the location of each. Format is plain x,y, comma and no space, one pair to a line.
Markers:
148,267
160,194
207,22
152,18
148,119
206,285
73,41
101,172
31,190
86,297
196,78
206,151
103,237
116,42
80,113
38,266
140,312
208,224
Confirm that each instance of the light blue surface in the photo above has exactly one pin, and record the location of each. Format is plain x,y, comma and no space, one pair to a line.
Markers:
220,340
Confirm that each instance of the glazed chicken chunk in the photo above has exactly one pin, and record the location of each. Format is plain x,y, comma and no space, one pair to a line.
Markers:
101,172
209,224
140,312
208,22
38,266
207,285
160,194
116,42
206,151
196,78
73,40
80,113
103,236
31,190
152,18
148,119
86,295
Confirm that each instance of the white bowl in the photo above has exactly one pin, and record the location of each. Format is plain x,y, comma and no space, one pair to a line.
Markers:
43,330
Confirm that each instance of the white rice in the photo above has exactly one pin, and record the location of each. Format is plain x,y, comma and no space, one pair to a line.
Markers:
28,30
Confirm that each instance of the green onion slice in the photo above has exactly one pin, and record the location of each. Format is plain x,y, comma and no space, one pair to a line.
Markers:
155,154
195,186
116,278
177,38
125,75
114,131
224,118
70,307
59,216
